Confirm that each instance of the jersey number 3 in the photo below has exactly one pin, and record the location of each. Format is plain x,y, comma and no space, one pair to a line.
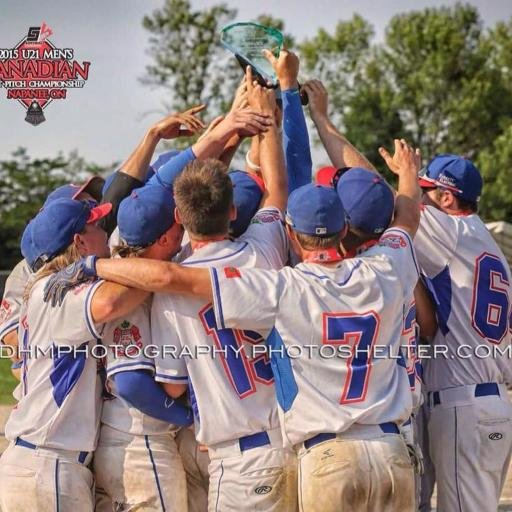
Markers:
242,371
359,332
490,304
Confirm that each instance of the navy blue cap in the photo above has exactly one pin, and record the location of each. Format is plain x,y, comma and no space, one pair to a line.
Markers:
248,190
92,186
315,210
145,215
53,228
368,200
455,173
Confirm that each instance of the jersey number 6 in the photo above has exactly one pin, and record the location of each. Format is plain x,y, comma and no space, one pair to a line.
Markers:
490,305
359,332
243,372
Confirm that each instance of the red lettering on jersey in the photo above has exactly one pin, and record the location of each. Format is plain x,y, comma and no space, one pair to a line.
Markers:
231,272
395,241
266,217
5,311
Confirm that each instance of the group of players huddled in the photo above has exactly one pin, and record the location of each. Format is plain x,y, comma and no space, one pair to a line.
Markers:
259,331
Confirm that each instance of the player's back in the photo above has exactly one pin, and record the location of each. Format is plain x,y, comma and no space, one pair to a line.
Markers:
471,280
232,390
60,405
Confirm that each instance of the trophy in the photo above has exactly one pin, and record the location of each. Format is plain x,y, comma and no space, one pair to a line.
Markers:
246,41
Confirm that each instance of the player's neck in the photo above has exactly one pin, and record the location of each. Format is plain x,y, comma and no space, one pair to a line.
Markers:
322,256
197,243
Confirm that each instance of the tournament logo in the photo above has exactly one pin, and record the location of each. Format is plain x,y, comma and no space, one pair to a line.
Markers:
36,72
395,241
127,338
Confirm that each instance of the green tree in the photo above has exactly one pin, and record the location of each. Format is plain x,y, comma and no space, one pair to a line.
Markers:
495,164
24,184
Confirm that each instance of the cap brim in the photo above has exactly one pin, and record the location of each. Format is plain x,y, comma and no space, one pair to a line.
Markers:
93,186
423,183
325,175
98,212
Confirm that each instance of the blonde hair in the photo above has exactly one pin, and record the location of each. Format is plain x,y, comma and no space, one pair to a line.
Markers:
127,251
61,261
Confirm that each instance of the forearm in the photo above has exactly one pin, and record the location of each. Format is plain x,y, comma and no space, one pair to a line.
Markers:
138,162
296,141
229,150
112,301
211,145
156,276
425,312
166,175
341,152
141,391
273,169
407,203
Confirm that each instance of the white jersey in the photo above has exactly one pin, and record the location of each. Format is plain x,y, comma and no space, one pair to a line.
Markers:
13,298
60,404
231,396
127,342
471,280
336,341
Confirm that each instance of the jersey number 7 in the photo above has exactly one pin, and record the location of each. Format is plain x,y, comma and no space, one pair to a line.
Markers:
242,371
359,332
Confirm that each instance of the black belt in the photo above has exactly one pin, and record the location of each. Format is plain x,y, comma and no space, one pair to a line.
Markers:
387,428
487,389
20,442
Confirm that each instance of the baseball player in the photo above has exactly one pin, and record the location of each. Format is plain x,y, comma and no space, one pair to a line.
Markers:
136,462
338,413
239,422
53,429
470,418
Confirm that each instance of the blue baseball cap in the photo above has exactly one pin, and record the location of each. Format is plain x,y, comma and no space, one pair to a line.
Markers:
248,190
28,249
315,210
145,215
53,228
454,173
92,186
368,200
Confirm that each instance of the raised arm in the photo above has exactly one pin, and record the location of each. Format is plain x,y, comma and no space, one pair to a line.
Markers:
273,170
405,163
341,152
295,132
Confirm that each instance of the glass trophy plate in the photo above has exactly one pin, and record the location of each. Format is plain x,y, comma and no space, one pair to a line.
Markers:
246,40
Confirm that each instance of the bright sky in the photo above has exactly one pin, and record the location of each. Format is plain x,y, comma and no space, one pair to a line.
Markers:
105,120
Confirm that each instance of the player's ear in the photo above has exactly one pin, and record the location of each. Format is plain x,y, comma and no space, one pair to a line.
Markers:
79,242
291,234
232,212
177,216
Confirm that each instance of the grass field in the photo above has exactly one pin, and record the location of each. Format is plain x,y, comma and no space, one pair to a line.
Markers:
7,382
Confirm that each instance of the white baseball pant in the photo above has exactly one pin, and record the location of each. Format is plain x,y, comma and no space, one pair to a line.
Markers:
247,475
44,480
362,469
470,431
138,473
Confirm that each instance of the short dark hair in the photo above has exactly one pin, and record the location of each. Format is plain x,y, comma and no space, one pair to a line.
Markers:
204,194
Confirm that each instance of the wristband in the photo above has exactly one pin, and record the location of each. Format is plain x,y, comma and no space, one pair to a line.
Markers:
250,163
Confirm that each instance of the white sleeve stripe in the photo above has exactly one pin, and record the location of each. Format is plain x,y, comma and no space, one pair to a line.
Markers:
135,365
160,377
88,315
9,328
217,298
409,240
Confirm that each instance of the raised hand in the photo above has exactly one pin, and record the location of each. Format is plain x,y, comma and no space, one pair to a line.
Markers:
65,280
318,99
261,99
286,67
405,160
171,126
240,99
